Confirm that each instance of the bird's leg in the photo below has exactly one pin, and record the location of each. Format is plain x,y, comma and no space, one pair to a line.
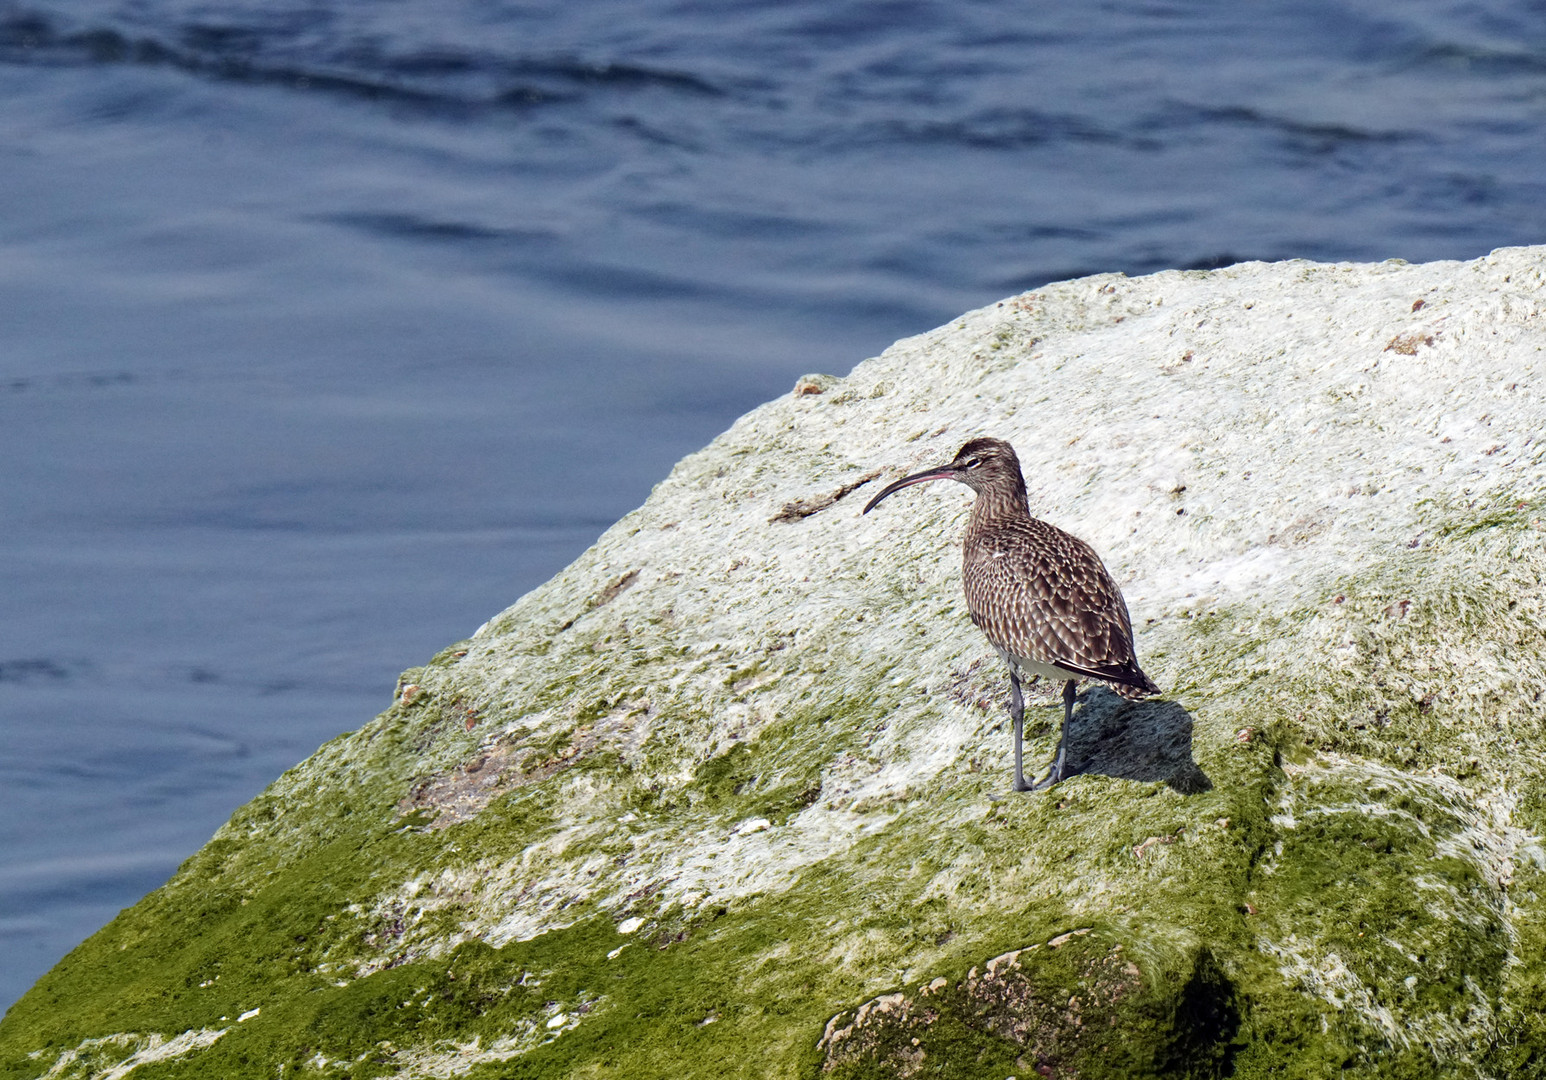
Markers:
1055,772
1059,767
1017,714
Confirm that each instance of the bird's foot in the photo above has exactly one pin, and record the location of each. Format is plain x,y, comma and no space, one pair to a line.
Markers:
1017,788
1052,778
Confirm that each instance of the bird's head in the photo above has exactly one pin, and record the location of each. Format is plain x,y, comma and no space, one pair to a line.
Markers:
981,464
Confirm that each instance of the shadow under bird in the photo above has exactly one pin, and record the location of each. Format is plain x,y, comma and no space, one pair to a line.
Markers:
1042,597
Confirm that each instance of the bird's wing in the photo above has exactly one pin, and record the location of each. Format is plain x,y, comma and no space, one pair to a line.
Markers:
1044,595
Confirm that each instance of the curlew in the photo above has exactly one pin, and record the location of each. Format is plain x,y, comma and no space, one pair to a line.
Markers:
1042,597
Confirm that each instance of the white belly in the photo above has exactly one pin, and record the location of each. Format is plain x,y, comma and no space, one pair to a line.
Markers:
1036,667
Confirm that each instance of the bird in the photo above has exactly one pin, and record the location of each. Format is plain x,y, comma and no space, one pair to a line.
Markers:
1042,597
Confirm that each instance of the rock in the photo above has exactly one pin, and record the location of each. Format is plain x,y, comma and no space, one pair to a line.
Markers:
759,732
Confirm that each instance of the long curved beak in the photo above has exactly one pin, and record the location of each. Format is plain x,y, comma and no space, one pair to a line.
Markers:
944,472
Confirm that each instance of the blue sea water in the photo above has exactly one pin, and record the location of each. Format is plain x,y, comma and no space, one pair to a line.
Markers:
328,328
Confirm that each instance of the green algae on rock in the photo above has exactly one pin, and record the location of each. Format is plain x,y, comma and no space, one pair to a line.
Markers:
719,799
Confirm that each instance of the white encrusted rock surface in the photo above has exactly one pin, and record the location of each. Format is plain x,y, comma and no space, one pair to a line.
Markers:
737,769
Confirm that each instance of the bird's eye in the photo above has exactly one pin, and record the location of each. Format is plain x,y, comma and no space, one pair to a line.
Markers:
972,463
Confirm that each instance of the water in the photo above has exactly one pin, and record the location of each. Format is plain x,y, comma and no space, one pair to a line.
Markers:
329,328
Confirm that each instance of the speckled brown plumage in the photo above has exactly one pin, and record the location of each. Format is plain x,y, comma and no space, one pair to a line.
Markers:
1042,597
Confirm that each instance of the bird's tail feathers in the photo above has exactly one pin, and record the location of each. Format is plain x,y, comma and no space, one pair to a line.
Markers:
1134,692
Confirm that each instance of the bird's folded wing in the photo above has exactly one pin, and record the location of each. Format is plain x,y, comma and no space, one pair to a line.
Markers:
1042,594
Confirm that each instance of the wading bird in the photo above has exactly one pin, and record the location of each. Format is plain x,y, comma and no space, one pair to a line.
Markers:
1042,597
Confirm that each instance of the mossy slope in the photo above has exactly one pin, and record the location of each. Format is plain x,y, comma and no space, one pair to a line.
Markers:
719,800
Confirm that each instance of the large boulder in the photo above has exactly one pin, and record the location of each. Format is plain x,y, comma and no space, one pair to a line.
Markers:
730,795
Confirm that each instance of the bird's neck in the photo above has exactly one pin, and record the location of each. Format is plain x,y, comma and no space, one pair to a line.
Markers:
995,506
